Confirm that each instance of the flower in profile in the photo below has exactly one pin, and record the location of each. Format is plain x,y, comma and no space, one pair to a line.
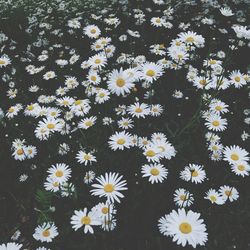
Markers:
109,186
226,11
10,246
185,227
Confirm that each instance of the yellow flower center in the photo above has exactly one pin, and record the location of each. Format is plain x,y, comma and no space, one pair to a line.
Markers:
51,126
46,233
109,188
89,123
212,61
157,20
216,123
234,157
150,153
86,220
59,173
183,197
101,95
87,157
203,82
2,62
185,228
237,78
138,110
154,171
121,141
228,193
150,73
241,167
93,78
190,39
120,82
65,103
97,61
195,173
78,102
105,210
218,108
56,184
20,151
213,198
30,107
93,31
11,110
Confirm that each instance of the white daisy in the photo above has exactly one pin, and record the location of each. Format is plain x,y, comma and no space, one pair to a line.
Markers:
214,197
46,232
184,227
86,219
234,154
85,158
120,140
155,172
59,172
194,173
109,186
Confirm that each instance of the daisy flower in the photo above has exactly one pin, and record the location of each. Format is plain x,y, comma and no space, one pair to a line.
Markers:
226,11
49,75
234,154
194,173
97,61
155,172
151,71
183,198
157,21
10,246
216,123
104,210
120,140
89,177
229,193
152,153
138,110
82,218
218,107
85,158
214,197
92,31
237,79
87,122
4,61
156,110
184,227
125,123
102,95
51,185
191,38
59,172
93,77
241,168
46,232
120,83
109,186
